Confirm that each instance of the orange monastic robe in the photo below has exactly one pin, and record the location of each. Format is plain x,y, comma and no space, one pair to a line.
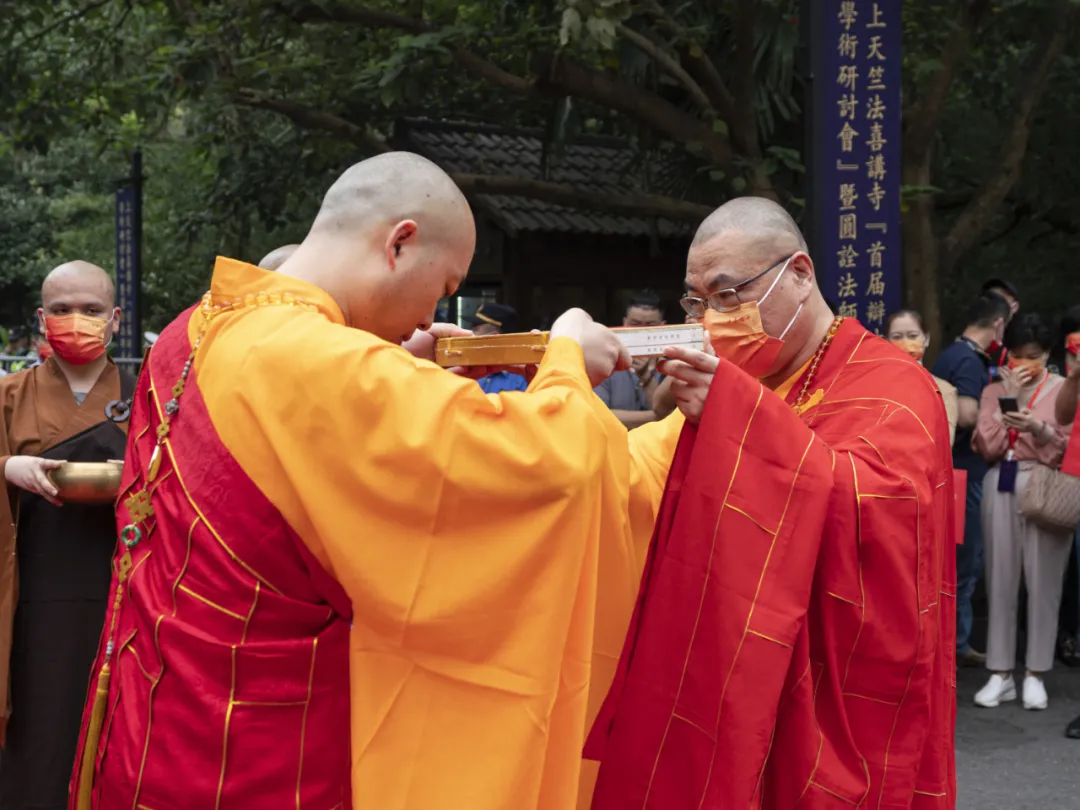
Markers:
316,477
793,643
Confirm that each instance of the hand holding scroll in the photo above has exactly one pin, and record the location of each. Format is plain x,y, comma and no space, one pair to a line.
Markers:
692,374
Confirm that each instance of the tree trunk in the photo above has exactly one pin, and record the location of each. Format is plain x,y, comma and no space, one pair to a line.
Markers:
983,207
920,252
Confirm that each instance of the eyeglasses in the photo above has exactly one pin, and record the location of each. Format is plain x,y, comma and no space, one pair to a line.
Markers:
724,300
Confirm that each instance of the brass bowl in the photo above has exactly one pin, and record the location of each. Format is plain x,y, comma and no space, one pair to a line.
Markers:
89,482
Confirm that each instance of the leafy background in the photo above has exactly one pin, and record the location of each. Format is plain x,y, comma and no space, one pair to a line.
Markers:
246,110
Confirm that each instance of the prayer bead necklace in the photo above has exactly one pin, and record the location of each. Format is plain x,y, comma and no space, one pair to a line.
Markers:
811,373
209,311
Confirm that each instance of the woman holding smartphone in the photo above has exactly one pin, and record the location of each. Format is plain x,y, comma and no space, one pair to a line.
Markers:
1016,431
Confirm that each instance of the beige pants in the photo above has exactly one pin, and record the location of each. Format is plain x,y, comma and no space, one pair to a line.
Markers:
1013,546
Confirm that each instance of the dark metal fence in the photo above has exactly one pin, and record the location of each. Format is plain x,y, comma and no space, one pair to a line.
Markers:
9,362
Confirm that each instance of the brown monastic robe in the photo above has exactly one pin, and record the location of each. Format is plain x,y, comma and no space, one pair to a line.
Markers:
54,577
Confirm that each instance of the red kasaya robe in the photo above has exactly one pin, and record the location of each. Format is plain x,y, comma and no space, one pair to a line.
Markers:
230,680
793,643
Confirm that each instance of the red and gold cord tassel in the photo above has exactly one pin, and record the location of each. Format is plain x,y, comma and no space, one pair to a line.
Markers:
93,738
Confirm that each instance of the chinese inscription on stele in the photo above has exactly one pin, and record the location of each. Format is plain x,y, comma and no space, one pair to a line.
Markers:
859,206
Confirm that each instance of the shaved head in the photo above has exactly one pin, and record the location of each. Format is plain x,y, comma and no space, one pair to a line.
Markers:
80,278
753,247
393,236
79,288
394,186
755,216
275,258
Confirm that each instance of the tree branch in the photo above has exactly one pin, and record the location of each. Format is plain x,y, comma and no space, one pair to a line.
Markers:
668,64
633,205
310,118
557,77
979,212
745,122
698,65
190,18
561,75
925,115
376,18
71,16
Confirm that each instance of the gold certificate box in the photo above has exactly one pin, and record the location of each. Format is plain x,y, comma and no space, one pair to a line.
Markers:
528,348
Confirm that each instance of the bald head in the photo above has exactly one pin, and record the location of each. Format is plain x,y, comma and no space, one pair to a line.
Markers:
275,258
756,217
79,288
392,187
393,236
752,246
78,278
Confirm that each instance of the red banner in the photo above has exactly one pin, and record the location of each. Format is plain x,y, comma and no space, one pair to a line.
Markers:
1071,463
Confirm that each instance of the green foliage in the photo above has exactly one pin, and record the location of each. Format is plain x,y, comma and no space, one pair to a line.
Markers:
87,81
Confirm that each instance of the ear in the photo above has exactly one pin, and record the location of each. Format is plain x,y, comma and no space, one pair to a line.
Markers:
399,235
41,320
803,268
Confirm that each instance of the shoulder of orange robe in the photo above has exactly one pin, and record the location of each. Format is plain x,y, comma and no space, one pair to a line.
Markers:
795,625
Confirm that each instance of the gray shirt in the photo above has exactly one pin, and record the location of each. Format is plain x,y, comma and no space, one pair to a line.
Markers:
623,392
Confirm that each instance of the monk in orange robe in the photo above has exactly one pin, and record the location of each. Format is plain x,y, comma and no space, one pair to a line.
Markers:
346,576
792,645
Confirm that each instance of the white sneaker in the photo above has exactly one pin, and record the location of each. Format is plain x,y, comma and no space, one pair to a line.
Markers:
998,690
1034,693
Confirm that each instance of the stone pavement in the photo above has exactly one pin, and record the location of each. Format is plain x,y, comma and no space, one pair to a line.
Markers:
1011,759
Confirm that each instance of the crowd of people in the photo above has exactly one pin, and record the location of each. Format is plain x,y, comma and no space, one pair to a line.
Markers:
727,577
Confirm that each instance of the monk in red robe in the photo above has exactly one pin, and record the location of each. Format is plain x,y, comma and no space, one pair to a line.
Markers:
792,645
347,577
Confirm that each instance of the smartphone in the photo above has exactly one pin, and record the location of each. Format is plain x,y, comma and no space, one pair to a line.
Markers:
1008,404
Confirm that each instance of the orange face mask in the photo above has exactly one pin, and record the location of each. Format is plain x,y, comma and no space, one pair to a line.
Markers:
915,348
1072,344
77,339
1034,367
739,337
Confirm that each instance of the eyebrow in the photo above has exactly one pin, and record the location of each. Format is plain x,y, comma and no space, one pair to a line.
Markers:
721,280
60,302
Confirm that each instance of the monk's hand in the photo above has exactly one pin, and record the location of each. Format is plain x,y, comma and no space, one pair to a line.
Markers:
422,342
31,473
691,373
604,352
